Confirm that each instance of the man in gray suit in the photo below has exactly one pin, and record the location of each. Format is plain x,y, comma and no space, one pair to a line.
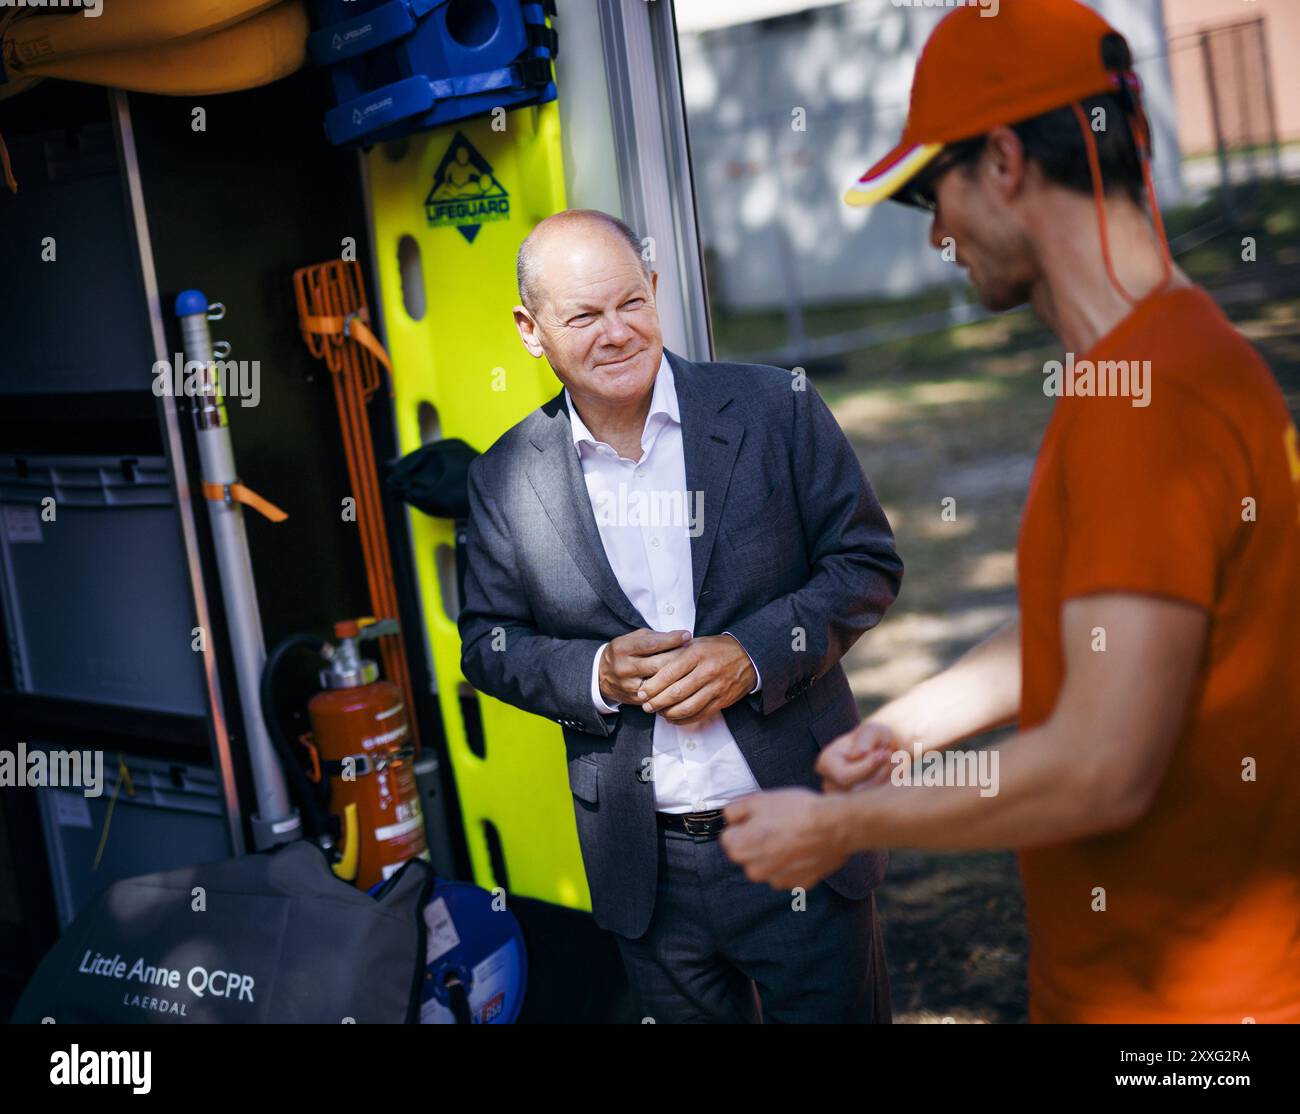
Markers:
669,559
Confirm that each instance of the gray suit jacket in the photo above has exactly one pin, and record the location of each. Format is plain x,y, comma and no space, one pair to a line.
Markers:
795,559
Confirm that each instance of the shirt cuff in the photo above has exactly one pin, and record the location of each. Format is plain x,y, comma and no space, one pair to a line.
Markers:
596,698
757,684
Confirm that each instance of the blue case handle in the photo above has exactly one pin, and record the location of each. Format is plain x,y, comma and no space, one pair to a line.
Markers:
353,119
466,85
409,97
360,34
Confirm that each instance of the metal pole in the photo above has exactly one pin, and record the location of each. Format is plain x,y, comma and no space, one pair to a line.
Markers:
275,821
1270,107
1250,156
796,340
170,423
1225,175
648,121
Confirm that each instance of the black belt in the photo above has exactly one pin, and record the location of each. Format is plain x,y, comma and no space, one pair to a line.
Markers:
706,824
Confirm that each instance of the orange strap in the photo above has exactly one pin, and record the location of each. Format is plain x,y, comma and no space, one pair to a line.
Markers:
351,326
1099,196
7,167
238,493
309,741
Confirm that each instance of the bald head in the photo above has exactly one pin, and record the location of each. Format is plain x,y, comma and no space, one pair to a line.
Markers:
588,306
566,228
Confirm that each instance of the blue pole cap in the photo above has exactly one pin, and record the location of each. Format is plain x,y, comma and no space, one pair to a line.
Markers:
189,302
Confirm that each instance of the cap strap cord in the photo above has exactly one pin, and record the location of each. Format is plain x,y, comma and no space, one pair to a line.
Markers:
1138,123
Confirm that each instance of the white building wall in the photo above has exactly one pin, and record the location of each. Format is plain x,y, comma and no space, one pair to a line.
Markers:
769,196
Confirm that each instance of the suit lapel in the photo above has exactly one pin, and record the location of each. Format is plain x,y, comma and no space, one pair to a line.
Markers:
556,476
710,442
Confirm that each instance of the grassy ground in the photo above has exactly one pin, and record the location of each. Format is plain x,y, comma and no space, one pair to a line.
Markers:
960,414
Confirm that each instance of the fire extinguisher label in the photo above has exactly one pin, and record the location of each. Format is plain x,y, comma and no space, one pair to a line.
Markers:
392,831
396,735
389,869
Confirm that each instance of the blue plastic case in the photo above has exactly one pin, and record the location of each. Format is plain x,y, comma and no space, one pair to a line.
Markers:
401,66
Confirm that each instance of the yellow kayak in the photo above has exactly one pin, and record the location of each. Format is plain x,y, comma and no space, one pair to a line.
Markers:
39,37
252,52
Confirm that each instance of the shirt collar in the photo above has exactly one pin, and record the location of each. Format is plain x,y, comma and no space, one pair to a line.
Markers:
663,404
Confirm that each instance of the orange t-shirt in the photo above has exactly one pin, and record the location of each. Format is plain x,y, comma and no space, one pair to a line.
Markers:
1202,895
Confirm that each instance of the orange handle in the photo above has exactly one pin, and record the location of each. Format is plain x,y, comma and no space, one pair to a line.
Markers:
238,493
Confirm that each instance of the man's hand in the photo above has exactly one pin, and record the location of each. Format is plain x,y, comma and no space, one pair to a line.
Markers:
785,837
631,658
858,758
699,680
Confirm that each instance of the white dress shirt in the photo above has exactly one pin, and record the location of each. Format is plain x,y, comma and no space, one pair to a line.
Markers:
645,515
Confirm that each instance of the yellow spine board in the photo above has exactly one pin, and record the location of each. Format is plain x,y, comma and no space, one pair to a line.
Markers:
445,190
261,49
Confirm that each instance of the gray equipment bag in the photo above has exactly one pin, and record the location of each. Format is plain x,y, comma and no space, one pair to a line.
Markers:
270,937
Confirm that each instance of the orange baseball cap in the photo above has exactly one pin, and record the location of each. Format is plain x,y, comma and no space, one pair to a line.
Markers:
997,65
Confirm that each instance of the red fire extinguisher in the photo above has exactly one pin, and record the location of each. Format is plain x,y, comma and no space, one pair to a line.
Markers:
361,741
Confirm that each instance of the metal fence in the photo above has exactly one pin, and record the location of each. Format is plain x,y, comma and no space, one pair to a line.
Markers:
1223,96
1223,81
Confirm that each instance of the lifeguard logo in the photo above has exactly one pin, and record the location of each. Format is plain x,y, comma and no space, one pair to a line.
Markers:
465,193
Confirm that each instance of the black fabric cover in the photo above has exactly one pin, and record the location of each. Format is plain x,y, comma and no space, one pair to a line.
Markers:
435,478
276,938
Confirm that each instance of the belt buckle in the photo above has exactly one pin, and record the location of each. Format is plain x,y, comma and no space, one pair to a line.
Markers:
701,818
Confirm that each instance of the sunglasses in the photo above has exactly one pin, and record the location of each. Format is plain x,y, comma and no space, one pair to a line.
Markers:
922,190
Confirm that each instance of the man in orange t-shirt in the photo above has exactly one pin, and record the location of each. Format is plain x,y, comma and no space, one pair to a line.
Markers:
1153,789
